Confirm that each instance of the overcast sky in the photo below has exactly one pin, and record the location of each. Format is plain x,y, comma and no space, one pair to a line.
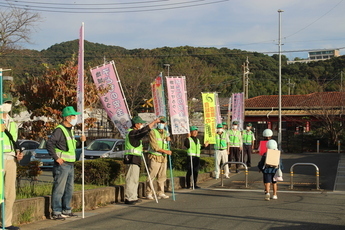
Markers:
250,25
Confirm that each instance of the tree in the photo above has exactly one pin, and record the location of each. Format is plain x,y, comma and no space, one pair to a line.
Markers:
16,26
47,95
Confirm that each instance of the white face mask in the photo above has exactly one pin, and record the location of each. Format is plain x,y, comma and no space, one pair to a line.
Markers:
6,107
219,130
248,128
141,126
234,126
73,122
160,126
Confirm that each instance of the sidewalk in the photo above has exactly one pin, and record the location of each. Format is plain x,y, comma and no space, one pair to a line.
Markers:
339,185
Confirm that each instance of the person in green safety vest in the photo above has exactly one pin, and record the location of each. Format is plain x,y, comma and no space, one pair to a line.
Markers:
235,142
132,156
221,151
192,143
248,144
61,146
157,159
11,154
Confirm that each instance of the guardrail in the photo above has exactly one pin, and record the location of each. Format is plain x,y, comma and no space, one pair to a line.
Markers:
234,162
305,164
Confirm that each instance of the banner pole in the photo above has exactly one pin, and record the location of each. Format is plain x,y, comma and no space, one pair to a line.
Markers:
148,175
2,158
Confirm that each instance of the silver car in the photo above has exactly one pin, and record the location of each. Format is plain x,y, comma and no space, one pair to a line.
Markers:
105,148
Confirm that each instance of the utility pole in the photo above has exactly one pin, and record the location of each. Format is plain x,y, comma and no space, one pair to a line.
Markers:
246,78
290,85
341,81
280,84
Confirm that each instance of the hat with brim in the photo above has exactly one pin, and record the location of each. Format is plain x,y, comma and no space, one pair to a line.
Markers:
249,125
6,97
224,123
219,126
193,128
235,122
69,111
163,120
137,119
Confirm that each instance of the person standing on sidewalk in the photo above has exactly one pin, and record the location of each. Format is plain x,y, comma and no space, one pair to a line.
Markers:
132,156
157,159
235,143
192,143
11,156
269,172
248,144
221,151
61,146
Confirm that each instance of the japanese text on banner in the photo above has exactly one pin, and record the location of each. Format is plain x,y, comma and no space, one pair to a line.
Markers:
178,106
158,97
113,101
209,104
238,108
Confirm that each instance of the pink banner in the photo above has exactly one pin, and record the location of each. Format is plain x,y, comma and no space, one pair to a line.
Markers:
178,106
158,96
113,101
218,114
80,84
237,102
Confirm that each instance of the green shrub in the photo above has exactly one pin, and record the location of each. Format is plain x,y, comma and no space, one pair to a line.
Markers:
102,171
179,161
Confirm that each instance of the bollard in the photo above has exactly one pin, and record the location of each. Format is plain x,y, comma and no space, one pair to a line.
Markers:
338,146
317,146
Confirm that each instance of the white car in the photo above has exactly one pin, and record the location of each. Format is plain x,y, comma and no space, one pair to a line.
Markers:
105,148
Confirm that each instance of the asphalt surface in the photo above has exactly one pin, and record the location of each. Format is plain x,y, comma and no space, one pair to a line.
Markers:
234,206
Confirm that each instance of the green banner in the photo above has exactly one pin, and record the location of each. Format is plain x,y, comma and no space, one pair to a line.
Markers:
209,105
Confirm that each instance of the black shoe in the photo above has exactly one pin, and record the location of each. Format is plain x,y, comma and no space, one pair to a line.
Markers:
196,187
133,201
11,227
237,171
58,217
71,214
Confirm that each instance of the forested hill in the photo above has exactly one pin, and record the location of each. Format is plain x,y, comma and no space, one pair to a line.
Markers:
206,69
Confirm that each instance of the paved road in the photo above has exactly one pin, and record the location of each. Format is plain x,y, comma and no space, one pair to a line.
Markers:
232,206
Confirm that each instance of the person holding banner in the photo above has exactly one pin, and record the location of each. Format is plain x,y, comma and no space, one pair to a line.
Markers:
192,143
157,162
12,154
248,143
235,142
221,148
61,145
132,156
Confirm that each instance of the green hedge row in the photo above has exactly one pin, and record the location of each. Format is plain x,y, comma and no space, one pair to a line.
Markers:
105,171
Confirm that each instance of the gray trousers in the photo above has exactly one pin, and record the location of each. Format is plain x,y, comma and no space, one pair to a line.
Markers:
132,182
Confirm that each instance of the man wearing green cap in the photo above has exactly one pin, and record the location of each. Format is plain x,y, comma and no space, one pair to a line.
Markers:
157,159
192,143
221,150
132,156
11,155
61,146
248,144
235,142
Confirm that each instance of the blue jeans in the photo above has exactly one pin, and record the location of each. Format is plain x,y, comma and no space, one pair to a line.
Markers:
63,186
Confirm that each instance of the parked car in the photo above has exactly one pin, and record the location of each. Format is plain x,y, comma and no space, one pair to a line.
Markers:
105,148
41,153
27,147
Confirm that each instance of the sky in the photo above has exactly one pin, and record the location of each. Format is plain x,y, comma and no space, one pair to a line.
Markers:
251,25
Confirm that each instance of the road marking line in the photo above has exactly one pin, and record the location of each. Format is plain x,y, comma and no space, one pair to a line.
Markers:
261,191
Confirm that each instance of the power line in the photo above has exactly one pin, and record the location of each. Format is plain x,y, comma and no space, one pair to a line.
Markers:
124,9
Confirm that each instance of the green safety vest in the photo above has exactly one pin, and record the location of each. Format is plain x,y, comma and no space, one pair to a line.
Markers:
194,149
247,137
12,128
220,141
130,149
234,138
68,156
162,143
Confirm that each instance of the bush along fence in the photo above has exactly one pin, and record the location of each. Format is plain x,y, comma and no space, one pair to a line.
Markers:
108,172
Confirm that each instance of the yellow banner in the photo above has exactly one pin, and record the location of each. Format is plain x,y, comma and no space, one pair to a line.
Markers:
209,104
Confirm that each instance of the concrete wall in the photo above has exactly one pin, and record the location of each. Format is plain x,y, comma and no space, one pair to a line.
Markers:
38,208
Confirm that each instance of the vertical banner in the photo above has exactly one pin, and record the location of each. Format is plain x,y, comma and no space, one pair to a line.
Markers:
80,84
113,101
218,114
178,106
2,172
158,96
209,105
237,100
